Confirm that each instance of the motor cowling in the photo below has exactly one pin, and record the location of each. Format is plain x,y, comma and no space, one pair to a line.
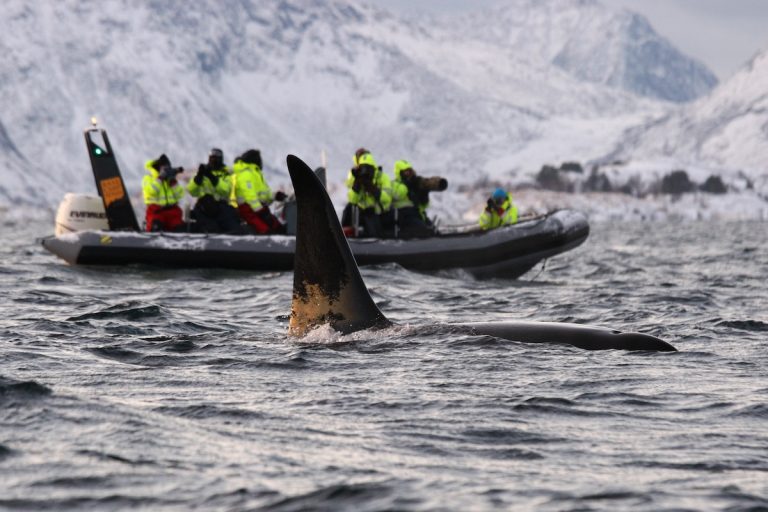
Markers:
79,212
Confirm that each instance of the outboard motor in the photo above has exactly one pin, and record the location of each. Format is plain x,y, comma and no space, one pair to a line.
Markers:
78,212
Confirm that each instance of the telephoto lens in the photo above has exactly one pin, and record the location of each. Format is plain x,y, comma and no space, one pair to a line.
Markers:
433,184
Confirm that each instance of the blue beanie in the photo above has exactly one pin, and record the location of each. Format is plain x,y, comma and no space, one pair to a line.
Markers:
499,194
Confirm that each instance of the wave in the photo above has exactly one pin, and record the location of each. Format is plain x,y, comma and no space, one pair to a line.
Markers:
620,398
617,495
752,411
205,411
52,280
111,457
127,356
707,466
45,297
555,406
10,388
70,482
239,498
508,454
341,497
113,502
506,436
744,325
5,452
129,311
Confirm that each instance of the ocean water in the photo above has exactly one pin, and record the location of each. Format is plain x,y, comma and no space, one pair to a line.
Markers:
168,389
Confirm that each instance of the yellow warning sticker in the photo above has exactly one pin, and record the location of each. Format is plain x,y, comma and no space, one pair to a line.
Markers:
112,190
106,239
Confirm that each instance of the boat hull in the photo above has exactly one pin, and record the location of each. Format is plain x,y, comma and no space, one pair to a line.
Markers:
505,252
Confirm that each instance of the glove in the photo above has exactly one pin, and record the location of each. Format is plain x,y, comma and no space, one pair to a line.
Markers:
207,172
201,171
357,185
490,205
280,196
371,188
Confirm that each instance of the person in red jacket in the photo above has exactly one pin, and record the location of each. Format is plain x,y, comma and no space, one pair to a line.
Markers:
162,193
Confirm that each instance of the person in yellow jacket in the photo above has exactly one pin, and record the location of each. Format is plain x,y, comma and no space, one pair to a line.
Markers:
499,211
162,193
410,199
369,189
253,196
212,186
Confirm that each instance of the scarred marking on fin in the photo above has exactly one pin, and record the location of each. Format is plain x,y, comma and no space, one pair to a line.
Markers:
310,310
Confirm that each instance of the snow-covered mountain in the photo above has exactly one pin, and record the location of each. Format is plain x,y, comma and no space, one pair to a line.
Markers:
728,128
302,76
595,44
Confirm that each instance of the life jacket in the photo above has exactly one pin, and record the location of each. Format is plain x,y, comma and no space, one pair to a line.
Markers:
505,215
157,191
364,200
220,192
400,196
249,186
406,193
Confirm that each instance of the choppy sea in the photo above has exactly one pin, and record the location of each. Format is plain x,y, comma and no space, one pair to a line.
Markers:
172,389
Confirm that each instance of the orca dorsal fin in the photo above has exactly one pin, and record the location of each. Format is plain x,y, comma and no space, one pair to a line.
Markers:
327,285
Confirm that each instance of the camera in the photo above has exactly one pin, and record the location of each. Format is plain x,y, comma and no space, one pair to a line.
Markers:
432,184
365,172
169,173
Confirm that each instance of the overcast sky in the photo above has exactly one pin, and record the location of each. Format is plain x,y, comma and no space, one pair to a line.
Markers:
724,34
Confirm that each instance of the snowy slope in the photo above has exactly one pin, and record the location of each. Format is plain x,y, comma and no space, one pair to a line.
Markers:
728,128
16,178
594,44
302,76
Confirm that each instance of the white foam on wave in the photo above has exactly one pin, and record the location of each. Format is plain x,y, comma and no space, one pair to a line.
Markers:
326,335
320,335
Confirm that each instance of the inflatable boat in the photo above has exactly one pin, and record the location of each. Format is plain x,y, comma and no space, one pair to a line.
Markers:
103,230
505,252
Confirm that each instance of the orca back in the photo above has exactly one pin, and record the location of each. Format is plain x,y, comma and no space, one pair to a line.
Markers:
582,336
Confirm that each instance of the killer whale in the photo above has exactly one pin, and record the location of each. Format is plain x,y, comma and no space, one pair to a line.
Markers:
328,287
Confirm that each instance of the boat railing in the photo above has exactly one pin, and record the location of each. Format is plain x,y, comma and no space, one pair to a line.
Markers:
463,229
